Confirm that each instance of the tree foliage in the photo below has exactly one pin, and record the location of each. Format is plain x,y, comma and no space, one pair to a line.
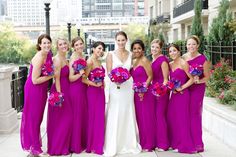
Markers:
14,48
219,29
196,28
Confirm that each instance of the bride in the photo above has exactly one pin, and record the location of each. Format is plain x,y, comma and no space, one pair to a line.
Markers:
120,136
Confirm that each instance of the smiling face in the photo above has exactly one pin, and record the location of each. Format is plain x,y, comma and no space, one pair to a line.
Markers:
62,46
155,49
79,46
137,51
192,45
121,41
98,51
174,53
45,45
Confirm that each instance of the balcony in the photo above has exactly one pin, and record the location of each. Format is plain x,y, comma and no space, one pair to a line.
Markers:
165,17
186,7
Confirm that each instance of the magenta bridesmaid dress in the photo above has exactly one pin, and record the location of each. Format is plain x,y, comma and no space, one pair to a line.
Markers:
96,118
178,116
145,111
161,103
78,93
59,122
196,102
35,100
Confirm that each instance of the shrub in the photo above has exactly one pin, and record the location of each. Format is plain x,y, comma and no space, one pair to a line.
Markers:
222,83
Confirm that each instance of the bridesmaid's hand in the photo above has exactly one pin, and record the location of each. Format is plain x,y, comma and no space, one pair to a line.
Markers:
196,79
82,72
99,84
141,96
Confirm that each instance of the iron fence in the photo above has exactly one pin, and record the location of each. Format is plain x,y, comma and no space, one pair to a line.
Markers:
216,51
17,87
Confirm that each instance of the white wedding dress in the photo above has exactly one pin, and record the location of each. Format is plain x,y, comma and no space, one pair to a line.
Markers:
120,136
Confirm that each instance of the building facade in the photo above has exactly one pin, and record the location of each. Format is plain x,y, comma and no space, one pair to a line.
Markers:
174,17
32,13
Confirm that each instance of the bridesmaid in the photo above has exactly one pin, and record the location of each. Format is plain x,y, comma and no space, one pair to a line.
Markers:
178,108
197,90
35,98
78,99
96,101
59,121
144,102
160,68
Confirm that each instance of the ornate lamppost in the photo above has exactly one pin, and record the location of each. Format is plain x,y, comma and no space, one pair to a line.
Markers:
47,15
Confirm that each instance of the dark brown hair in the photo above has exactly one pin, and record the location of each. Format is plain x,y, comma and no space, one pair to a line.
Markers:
40,38
121,33
138,41
75,40
96,44
175,46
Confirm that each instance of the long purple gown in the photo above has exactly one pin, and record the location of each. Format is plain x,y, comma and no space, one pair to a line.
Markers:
34,104
78,93
145,111
196,101
178,116
96,118
161,104
59,122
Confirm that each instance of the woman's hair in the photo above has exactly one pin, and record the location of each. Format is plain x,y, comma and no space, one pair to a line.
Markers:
175,46
75,40
63,40
40,38
158,41
96,44
138,41
194,37
121,33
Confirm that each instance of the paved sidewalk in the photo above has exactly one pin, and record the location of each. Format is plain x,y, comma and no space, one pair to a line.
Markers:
10,147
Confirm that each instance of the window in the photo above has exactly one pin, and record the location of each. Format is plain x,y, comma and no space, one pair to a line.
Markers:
175,34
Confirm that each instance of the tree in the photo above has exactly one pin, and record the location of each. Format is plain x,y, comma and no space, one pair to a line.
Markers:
196,28
219,29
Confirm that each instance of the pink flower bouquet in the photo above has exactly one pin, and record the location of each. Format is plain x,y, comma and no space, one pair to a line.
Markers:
56,99
196,70
173,84
140,87
159,89
79,64
47,69
119,75
97,75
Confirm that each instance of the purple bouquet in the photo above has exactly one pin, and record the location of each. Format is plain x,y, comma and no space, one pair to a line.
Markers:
196,70
56,99
97,75
173,84
47,69
119,75
79,64
140,87
159,89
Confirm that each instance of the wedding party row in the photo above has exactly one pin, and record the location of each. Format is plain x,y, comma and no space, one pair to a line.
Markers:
150,105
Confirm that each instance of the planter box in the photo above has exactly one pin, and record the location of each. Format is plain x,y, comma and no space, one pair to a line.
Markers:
220,121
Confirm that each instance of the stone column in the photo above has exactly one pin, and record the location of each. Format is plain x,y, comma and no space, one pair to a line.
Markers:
8,115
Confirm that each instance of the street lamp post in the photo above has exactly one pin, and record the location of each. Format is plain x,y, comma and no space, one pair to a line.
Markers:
47,15
69,31
78,29
85,43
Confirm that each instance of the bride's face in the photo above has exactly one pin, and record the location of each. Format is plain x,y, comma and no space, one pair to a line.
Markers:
121,41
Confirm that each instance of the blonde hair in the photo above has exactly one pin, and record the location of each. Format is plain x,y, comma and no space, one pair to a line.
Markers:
63,40
158,41
194,37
